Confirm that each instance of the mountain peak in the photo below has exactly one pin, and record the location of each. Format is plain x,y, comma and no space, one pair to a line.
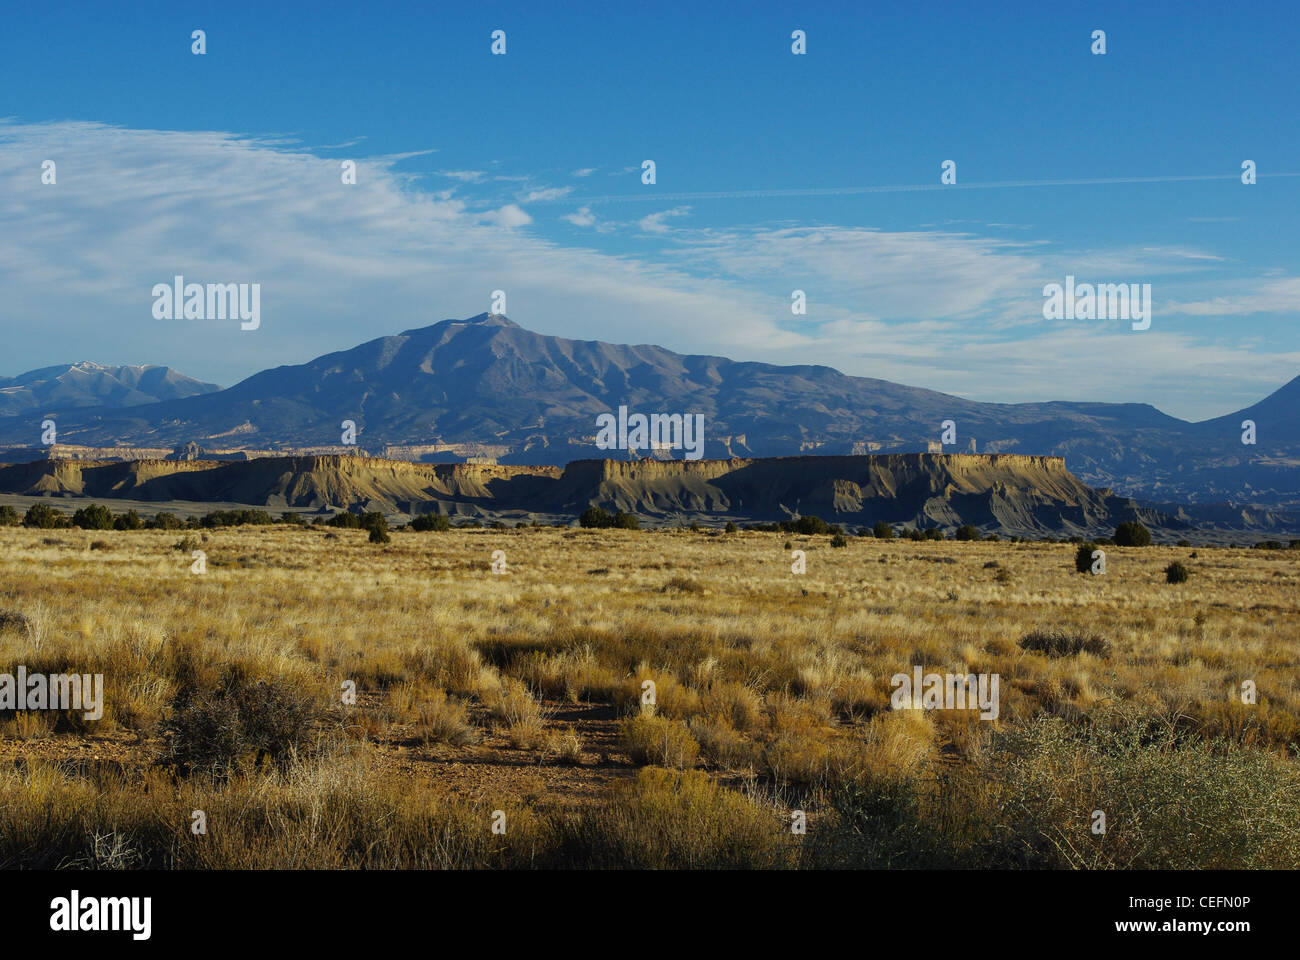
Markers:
490,320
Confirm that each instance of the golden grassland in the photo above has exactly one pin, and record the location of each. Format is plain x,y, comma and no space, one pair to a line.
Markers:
520,692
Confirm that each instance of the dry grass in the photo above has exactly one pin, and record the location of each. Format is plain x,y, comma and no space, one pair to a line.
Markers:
523,691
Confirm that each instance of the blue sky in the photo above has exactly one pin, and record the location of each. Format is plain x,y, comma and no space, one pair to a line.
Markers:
522,172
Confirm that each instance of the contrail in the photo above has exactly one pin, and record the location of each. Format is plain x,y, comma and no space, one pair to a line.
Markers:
657,197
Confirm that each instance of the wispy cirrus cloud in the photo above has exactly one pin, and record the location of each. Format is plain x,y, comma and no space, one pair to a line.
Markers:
949,309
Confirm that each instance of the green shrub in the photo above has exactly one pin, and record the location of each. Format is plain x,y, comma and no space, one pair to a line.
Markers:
1131,533
128,521
430,521
839,541
93,517
236,518
883,531
808,526
598,518
165,521
9,516
1058,644
966,532
595,517
44,517
1083,557
1176,573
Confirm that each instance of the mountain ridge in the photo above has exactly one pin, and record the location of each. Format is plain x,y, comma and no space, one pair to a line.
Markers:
533,399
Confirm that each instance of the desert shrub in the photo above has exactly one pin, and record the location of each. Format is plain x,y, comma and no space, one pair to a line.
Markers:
651,739
839,541
1003,575
1083,557
15,621
730,527
430,521
934,533
966,532
128,521
236,518
565,746
379,534
1131,533
512,703
208,730
682,585
99,545
664,819
187,544
1172,800
595,517
807,525
44,517
1176,573
165,521
93,517
444,719
883,531
9,516
1058,644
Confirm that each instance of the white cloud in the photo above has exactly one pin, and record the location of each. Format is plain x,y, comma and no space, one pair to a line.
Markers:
464,176
582,217
584,172
654,223
508,216
545,194
341,264
1272,296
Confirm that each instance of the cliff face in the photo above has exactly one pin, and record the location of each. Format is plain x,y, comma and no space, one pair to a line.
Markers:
1008,493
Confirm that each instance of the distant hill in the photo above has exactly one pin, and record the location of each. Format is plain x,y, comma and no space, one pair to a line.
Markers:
1004,493
89,384
488,386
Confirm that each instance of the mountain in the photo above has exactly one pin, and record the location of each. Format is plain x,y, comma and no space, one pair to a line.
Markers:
89,384
486,387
